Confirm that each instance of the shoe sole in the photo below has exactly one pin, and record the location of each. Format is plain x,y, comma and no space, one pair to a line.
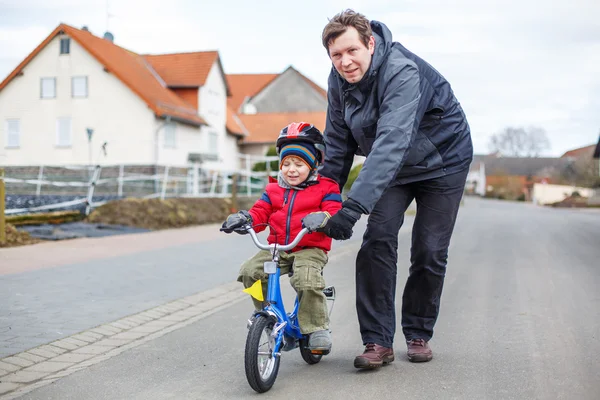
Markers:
420,358
372,364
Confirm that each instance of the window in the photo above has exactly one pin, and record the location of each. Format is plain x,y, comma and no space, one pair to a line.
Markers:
63,132
13,133
65,46
213,142
48,88
79,86
170,136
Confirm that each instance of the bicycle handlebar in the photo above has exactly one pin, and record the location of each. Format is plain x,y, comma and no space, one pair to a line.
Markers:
280,247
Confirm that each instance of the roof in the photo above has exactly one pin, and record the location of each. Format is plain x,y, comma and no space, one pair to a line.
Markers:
522,166
580,152
265,127
185,70
246,85
130,68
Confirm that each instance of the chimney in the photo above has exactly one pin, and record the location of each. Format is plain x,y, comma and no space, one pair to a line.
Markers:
109,36
85,28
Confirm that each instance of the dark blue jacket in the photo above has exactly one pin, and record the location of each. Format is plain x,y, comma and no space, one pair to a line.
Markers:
403,116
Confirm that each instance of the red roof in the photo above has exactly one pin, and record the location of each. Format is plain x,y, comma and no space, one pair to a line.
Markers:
132,69
183,69
586,151
265,127
246,85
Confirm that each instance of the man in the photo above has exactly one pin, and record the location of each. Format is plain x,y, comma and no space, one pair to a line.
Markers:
393,107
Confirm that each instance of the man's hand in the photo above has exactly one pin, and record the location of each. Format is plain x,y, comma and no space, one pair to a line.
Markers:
315,221
340,226
236,222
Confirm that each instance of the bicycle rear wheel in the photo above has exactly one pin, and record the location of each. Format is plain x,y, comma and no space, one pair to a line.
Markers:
260,363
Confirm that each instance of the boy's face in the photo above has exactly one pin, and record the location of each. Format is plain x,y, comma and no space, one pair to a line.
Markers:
294,170
350,57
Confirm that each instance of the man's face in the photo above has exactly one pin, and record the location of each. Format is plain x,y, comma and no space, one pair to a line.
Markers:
350,57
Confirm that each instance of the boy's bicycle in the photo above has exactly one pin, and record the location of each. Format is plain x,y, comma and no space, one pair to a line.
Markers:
272,330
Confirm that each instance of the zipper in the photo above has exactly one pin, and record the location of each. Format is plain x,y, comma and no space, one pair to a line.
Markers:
289,216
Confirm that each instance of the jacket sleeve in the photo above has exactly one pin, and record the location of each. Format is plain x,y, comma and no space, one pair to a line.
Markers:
396,130
332,199
261,211
339,142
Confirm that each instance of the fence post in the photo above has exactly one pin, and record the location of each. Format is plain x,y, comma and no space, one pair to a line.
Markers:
91,187
234,191
120,187
196,180
2,207
248,176
163,191
38,190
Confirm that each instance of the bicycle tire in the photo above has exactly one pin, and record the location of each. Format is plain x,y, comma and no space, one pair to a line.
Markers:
307,356
261,374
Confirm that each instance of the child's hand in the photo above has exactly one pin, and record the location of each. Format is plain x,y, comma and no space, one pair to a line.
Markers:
236,222
315,221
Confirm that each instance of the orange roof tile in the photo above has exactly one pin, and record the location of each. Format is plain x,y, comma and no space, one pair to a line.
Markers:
183,69
244,85
265,127
234,125
133,70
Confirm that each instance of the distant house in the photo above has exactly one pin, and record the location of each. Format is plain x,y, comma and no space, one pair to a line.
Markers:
263,104
511,177
82,99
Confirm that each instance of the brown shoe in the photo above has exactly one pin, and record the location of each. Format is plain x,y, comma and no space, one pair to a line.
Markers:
374,356
419,350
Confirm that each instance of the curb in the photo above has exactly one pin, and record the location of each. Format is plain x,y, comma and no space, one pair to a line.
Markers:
31,369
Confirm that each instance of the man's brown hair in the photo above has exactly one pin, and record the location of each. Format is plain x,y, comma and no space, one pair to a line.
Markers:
340,23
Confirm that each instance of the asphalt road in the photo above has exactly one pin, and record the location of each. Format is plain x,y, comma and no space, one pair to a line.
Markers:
520,319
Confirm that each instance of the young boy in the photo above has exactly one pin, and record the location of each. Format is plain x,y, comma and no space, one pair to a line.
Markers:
285,204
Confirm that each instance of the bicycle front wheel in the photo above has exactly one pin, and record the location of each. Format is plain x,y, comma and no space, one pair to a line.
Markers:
261,364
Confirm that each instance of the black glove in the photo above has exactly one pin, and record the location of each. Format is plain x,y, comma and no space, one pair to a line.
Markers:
315,221
340,226
237,222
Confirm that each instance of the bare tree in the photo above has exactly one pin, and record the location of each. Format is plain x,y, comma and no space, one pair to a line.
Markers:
520,142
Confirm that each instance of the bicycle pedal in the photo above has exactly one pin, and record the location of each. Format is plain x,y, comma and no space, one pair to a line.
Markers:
329,292
320,352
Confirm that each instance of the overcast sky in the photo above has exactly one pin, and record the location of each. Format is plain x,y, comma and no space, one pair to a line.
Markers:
510,62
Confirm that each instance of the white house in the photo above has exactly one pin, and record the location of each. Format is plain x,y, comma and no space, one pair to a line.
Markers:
137,113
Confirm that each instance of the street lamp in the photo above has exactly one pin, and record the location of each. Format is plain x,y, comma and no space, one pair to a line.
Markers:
90,132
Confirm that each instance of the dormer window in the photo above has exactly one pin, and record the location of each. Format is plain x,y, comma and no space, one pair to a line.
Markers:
65,46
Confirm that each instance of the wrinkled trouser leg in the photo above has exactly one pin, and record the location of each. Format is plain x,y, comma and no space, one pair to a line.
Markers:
438,201
307,280
253,270
376,267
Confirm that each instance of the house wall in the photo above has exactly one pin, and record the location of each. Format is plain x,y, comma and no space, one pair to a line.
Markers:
213,108
546,193
112,110
289,93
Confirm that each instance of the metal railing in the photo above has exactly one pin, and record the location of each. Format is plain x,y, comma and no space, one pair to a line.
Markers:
83,185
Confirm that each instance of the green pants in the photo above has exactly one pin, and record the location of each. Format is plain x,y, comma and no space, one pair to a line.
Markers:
307,280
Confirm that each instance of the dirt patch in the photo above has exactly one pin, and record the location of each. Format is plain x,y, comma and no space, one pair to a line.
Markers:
15,237
153,214
162,214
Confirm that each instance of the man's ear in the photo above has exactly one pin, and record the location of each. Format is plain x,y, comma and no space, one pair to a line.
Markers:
371,45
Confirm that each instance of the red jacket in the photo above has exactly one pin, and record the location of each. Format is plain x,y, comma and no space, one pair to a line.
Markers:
283,209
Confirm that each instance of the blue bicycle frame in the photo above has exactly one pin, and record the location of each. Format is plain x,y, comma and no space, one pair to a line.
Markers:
287,325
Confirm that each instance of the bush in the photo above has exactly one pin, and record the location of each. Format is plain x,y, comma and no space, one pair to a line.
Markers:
262,166
352,177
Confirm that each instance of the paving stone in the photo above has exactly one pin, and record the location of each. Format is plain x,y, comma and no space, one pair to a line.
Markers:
24,376
65,345
72,357
9,367
21,362
93,349
32,357
129,335
6,387
76,342
103,331
84,338
49,366
93,335
113,342
44,353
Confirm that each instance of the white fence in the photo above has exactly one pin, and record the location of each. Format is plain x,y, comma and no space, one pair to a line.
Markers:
83,183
